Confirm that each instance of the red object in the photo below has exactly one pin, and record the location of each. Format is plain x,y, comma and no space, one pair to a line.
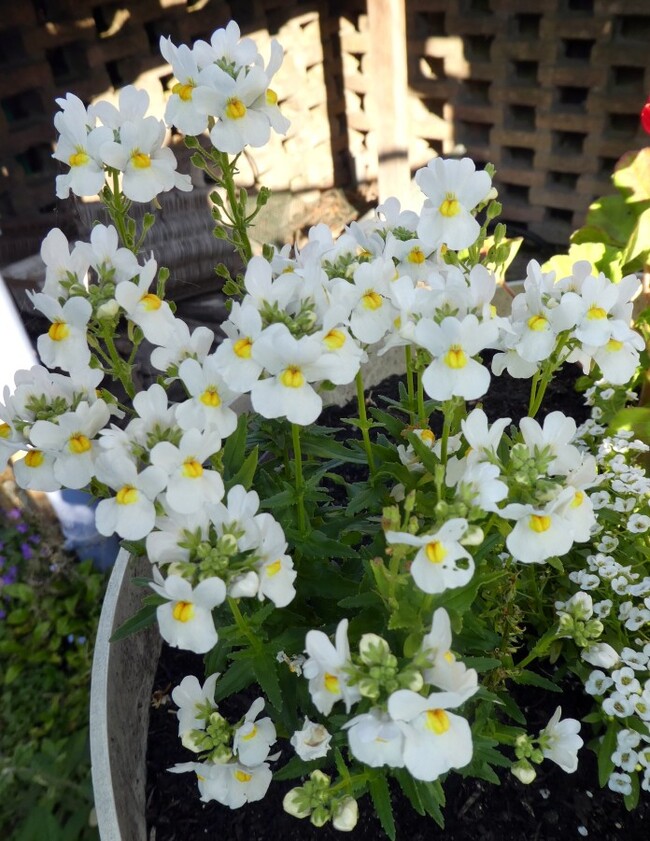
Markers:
645,116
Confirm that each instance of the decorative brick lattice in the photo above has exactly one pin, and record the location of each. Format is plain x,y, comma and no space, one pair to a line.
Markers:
548,90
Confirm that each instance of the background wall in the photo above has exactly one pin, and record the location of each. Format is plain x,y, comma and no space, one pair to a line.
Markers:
548,90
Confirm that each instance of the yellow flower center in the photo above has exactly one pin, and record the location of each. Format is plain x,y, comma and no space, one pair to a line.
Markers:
613,345
449,657
183,611
596,313
437,721
126,495
34,458
372,300
58,331
79,158
250,735
455,357
335,339
537,323
427,436
140,160
243,348
435,552
578,499
271,97
184,91
331,683
192,469
450,206
416,256
292,377
78,443
274,568
539,523
242,776
5,430
151,302
210,397
235,109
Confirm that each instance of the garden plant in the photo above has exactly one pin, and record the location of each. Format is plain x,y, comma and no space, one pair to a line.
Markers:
373,594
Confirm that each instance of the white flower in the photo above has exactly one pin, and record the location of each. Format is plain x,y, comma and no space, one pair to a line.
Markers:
61,264
181,110
79,148
252,740
208,408
193,702
190,486
185,620
325,669
453,344
539,532
35,471
435,740
598,683
375,739
445,671
600,654
292,365
64,345
453,189
131,512
230,784
560,742
554,437
148,168
152,315
180,344
621,783
312,742
638,523
71,440
105,255
441,562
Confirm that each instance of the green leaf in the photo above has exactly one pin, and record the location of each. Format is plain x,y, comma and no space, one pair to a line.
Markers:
481,664
409,789
433,798
246,472
380,794
638,245
631,800
142,619
528,678
235,447
238,677
605,749
297,767
265,667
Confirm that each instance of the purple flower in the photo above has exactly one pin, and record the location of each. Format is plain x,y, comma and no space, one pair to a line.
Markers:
3,613
23,528
14,514
10,575
26,551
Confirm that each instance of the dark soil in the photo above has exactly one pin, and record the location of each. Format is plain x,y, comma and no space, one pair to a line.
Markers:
556,807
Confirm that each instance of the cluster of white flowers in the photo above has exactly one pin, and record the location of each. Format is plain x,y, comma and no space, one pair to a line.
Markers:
233,768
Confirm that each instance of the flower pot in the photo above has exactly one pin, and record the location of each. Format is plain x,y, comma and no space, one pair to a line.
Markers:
122,677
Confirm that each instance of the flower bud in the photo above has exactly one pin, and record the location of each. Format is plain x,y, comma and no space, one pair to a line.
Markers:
295,803
346,815
524,772
108,310
373,649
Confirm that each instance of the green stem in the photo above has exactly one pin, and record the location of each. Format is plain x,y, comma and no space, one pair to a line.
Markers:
242,624
119,365
238,213
447,413
300,481
410,386
117,211
363,421
424,420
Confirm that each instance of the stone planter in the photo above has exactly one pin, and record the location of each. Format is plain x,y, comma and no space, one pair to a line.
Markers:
122,679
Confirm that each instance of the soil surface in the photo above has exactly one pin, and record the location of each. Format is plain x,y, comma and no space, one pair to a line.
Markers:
556,807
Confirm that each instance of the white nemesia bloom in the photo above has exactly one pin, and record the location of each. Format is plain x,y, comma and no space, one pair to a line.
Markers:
600,654
252,740
208,408
230,784
78,147
539,533
560,742
445,671
375,739
435,740
180,344
193,701
64,345
441,562
312,742
324,669
61,264
190,486
185,620
131,512
453,189
144,308
35,471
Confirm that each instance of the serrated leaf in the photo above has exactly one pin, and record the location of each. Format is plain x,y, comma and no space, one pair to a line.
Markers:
297,767
265,667
528,678
240,674
407,784
380,794
145,617
433,799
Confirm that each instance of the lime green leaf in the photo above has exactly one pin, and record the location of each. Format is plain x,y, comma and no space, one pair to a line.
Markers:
605,750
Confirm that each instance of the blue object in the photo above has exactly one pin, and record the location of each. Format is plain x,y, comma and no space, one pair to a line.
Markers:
76,513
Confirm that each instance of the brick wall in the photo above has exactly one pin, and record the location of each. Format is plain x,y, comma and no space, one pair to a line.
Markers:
548,90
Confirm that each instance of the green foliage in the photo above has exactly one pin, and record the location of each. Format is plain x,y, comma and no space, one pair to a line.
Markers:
46,643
